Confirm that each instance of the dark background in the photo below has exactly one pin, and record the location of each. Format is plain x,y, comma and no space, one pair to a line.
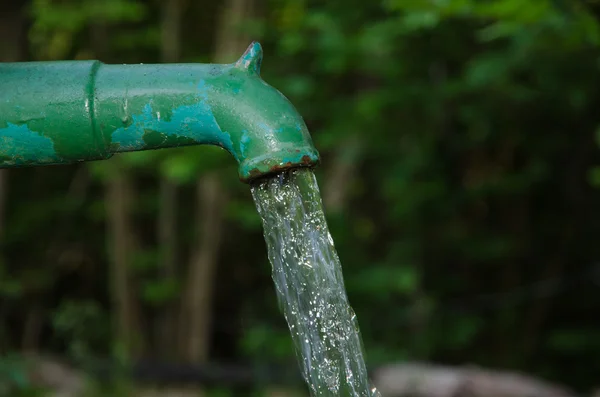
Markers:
460,176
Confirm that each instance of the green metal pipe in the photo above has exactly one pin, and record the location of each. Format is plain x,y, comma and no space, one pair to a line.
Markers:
72,111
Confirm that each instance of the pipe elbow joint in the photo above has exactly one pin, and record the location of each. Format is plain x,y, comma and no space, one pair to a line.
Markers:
264,131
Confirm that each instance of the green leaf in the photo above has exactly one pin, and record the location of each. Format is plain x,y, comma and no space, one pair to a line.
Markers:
179,169
11,288
572,340
244,213
420,20
594,176
597,134
158,292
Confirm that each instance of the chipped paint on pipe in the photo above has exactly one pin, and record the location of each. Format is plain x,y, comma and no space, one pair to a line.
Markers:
71,111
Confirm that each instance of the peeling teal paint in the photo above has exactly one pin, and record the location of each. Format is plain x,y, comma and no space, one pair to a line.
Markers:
244,140
195,121
202,88
19,143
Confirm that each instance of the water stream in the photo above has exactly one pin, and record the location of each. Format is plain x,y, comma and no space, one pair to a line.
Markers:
310,287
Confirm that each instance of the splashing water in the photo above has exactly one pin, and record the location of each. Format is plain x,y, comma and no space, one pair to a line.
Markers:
310,287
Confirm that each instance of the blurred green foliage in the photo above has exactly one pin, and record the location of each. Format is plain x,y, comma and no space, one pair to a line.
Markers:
466,134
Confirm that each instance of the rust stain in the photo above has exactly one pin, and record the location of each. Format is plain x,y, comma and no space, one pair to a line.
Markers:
255,173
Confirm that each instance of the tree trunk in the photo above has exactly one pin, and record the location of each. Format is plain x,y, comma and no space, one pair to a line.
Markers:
12,25
341,175
197,316
165,326
167,211
231,41
34,321
196,319
172,12
119,195
118,199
